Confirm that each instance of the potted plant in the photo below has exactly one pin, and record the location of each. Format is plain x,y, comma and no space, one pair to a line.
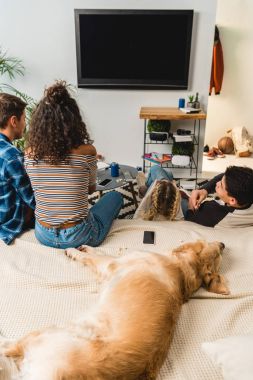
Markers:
191,101
185,148
158,129
12,66
182,153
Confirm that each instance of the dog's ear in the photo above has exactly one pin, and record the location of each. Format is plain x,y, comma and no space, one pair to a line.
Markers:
195,247
198,246
215,283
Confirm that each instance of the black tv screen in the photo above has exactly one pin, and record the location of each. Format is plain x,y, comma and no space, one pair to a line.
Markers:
133,48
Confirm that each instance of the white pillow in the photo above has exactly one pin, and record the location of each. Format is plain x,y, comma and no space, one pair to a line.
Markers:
234,355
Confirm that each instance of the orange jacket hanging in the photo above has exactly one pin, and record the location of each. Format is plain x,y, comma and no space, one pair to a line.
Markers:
217,65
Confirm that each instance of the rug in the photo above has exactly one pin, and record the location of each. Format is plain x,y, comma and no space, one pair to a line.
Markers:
128,208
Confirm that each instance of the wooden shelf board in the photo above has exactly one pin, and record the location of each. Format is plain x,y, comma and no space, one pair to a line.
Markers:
169,113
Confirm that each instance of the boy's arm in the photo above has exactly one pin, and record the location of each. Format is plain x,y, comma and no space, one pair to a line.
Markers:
16,173
209,214
197,196
210,185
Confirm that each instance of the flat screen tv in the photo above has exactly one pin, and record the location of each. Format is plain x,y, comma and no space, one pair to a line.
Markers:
133,48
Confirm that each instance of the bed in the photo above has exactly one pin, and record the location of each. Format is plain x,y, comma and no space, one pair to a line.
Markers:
40,286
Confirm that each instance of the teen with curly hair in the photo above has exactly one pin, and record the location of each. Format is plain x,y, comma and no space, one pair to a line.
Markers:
61,163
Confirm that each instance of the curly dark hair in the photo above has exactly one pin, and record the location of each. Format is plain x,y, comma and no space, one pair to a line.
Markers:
56,126
239,184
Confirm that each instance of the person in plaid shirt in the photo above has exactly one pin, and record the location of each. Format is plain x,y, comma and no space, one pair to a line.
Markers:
16,195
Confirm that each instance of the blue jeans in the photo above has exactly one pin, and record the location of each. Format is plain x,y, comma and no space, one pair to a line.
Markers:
91,231
157,172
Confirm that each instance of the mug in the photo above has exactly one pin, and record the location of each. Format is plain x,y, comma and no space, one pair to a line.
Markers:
114,169
181,103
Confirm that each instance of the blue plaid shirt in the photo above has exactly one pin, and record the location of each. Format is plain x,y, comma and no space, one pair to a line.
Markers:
15,191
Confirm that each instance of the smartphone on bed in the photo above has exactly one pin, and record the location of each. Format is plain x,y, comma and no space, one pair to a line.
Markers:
105,182
149,237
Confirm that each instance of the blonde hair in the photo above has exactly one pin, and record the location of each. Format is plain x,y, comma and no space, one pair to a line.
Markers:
165,200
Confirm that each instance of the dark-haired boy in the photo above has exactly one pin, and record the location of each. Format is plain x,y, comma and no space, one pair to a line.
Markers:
16,196
234,208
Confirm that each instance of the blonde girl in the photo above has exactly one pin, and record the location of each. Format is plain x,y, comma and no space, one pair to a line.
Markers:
162,199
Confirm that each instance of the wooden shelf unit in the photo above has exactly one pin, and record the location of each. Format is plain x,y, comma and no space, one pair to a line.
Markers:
172,113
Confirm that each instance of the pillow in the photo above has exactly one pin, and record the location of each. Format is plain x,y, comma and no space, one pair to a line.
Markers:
233,355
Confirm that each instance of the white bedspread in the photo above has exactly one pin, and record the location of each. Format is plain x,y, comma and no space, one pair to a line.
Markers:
40,286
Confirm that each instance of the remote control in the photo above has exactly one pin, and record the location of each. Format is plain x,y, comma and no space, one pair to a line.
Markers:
127,175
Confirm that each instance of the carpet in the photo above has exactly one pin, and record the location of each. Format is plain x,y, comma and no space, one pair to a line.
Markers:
128,208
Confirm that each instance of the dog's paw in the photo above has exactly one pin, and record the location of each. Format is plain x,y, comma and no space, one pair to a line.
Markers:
83,248
86,249
72,253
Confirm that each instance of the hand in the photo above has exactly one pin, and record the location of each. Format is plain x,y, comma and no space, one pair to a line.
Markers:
99,156
197,196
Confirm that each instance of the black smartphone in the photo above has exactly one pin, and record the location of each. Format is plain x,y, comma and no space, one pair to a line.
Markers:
149,237
105,182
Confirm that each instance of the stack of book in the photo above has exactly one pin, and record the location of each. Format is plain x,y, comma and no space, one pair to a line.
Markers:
157,158
181,138
190,110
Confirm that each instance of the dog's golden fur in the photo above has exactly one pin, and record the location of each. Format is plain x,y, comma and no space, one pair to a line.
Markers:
126,336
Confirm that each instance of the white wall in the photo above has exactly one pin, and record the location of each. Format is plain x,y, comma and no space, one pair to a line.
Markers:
233,107
42,34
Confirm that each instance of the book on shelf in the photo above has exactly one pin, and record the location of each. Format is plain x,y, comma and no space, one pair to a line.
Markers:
190,110
157,157
182,138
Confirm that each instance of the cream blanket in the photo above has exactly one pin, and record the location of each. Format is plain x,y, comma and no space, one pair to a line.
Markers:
40,286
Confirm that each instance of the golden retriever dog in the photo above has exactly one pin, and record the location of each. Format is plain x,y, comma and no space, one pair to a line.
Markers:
127,334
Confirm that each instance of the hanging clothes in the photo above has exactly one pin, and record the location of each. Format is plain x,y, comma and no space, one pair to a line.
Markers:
217,65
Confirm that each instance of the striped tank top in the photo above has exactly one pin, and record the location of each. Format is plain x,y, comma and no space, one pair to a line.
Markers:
61,191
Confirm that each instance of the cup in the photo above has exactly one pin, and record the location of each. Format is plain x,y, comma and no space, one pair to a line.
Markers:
114,169
181,103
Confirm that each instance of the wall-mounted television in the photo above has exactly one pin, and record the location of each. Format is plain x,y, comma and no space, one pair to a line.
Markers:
133,48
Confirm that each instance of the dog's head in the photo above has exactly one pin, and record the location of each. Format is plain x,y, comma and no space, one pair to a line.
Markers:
206,259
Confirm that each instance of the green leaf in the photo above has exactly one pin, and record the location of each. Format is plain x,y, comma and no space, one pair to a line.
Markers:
13,66
158,126
185,148
10,65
